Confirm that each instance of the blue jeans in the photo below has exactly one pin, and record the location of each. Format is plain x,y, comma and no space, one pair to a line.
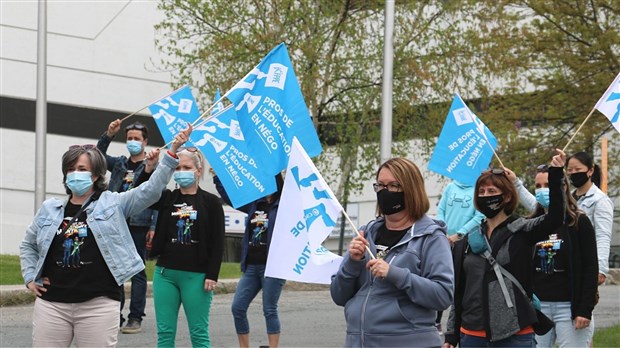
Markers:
138,282
564,331
525,341
251,282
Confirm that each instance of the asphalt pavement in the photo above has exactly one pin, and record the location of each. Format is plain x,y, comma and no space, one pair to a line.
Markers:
309,319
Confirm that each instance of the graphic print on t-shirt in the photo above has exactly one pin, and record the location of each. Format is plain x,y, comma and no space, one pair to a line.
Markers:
128,180
186,215
546,251
259,224
73,239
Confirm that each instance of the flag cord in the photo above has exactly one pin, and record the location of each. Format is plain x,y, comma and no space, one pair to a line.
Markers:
358,232
578,129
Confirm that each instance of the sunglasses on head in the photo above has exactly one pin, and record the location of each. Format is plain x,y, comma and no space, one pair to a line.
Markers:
495,171
83,147
543,168
133,126
187,148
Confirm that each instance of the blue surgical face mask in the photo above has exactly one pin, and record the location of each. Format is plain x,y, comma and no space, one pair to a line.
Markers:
542,196
185,178
79,182
134,147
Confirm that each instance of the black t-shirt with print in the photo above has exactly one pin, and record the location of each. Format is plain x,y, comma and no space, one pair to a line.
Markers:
386,239
130,177
551,273
181,251
74,264
257,241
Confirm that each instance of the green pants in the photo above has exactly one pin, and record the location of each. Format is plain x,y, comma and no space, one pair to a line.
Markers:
170,289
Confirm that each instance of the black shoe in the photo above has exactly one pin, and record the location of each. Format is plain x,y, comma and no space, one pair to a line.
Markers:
133,326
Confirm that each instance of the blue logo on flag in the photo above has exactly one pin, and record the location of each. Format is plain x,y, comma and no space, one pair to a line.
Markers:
174,112
465,146
272,110
223,143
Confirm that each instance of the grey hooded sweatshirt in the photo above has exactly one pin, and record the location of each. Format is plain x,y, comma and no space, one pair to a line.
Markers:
399,310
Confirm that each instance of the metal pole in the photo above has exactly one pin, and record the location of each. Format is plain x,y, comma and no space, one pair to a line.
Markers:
41,107
388,62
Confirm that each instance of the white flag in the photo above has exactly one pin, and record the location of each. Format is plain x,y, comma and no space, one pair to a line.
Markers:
307,214
609,104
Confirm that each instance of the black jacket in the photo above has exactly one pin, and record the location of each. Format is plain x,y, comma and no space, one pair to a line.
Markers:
512,244
580,243
211,229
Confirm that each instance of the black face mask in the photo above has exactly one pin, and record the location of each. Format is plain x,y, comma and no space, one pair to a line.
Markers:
579,179
490,206
390,202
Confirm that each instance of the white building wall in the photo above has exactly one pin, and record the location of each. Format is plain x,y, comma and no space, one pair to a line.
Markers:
100,55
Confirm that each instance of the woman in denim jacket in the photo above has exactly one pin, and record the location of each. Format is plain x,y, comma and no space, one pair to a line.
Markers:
76,253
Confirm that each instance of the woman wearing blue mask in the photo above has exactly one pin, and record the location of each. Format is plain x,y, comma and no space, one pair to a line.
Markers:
77,252
565,267
189,246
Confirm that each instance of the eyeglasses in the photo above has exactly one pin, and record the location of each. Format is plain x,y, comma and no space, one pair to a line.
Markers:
83,147
391,187
543,168
187,148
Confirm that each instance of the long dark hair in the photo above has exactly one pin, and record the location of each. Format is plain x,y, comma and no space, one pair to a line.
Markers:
572,209
587,161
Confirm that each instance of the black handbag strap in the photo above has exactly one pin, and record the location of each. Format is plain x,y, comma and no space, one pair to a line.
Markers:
89,200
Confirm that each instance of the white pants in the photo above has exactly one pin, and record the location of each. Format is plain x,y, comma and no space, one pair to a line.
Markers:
93,323
564,331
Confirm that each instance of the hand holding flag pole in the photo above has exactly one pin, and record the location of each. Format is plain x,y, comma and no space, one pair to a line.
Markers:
358,232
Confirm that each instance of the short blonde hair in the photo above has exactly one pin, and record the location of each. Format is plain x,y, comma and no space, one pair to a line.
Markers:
409,177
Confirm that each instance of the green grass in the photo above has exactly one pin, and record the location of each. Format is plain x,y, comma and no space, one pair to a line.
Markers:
227,271
607,337
10,271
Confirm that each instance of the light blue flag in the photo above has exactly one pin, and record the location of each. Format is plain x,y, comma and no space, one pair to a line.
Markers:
465,146
222,142
174,112
272,110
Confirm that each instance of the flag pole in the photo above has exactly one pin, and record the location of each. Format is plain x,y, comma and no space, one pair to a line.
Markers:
151,103
358,232
203,121
492,149
578,129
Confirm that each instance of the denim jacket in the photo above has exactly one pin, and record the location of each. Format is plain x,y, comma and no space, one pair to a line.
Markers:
600,210
118,167
106,218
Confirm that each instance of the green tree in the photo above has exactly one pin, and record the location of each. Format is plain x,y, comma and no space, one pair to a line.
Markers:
551,60
337,52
